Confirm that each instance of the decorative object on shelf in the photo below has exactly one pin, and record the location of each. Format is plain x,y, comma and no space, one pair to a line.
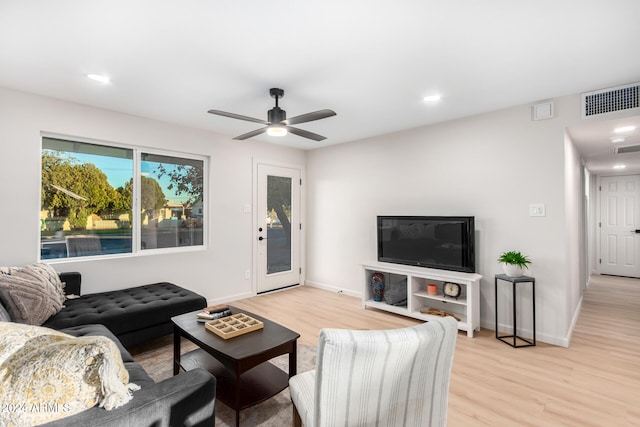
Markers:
438,312
514,263
452,290
377,286
432,289
396,293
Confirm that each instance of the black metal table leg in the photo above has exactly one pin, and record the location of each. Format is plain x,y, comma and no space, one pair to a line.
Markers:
514,281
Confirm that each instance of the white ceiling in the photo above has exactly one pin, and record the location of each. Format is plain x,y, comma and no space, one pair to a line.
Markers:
594,142
371,61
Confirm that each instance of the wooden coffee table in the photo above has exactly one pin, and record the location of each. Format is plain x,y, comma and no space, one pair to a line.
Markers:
240,364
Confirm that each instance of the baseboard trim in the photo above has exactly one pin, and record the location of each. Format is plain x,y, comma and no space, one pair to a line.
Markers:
574,320
332,288
527,333
540,337
230,298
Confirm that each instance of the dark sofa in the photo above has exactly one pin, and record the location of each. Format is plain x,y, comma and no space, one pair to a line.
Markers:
187,399
134,315
128,317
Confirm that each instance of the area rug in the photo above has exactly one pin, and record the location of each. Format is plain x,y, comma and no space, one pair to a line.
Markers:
156,358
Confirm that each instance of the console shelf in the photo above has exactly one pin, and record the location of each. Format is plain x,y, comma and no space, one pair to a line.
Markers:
466,307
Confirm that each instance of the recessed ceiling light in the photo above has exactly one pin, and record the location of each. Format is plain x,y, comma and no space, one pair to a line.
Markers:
619,166
431,98
616,139
99,78
624,129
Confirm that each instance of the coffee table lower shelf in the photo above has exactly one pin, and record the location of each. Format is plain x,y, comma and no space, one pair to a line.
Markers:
257,384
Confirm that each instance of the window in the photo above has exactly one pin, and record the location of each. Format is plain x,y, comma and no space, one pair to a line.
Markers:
177,220
89,195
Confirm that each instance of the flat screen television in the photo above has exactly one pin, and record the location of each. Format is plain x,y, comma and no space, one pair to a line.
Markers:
443,242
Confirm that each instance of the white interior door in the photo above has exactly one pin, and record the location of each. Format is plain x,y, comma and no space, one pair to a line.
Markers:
620,225
278,227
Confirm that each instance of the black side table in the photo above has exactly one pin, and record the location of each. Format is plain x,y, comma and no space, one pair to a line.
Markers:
515,337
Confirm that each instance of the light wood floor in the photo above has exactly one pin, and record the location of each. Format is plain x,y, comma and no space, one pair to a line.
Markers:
594,382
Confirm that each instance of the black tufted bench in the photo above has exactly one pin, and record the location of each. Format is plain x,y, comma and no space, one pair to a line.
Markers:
134,315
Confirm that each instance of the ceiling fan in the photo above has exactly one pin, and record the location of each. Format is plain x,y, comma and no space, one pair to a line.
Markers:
277,122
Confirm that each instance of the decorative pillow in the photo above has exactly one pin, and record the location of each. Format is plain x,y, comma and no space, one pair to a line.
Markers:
46,375
32,293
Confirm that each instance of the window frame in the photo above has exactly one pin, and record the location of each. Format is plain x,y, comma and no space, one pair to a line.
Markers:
136,222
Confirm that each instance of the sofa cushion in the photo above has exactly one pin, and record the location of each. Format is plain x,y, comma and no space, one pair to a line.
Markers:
127,310
53,375
138,375
99,330
31,294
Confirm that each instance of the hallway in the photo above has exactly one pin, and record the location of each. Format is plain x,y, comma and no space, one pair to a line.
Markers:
605,347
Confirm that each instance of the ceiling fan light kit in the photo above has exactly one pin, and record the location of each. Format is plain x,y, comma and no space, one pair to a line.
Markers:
277,123
276,131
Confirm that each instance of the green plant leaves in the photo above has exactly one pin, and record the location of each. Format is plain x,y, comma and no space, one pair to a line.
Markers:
514,258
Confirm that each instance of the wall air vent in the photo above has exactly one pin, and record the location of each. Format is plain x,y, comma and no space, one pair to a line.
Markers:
627,149
609,100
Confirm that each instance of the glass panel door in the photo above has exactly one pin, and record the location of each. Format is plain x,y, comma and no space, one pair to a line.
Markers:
278,227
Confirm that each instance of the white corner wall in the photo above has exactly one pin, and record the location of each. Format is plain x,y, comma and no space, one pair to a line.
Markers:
490,166
575,230
217,272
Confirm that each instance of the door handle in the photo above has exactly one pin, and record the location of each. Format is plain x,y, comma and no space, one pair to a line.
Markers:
636,231
262,238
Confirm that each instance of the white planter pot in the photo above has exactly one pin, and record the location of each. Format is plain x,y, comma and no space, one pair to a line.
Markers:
513,270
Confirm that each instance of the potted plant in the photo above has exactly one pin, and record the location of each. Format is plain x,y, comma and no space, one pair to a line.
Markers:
514,263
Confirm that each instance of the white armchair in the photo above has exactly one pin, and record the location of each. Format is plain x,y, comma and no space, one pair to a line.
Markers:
397,377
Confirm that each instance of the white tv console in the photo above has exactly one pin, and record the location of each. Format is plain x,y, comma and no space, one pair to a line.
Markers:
466,307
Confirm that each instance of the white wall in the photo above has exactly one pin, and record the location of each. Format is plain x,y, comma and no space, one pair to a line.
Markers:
490,166
575,230
217,272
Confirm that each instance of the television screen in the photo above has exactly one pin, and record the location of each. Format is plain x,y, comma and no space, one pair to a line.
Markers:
440,242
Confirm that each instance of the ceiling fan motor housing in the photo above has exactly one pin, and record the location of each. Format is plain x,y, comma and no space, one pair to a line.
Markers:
276,115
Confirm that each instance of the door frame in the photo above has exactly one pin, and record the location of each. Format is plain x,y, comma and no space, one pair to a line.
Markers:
255,220
598,214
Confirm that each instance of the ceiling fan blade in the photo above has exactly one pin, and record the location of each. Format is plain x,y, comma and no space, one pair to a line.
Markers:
238,116
305,134
251,134
309,117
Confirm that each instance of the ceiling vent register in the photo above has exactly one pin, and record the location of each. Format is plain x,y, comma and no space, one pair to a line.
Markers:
627,149
609,100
